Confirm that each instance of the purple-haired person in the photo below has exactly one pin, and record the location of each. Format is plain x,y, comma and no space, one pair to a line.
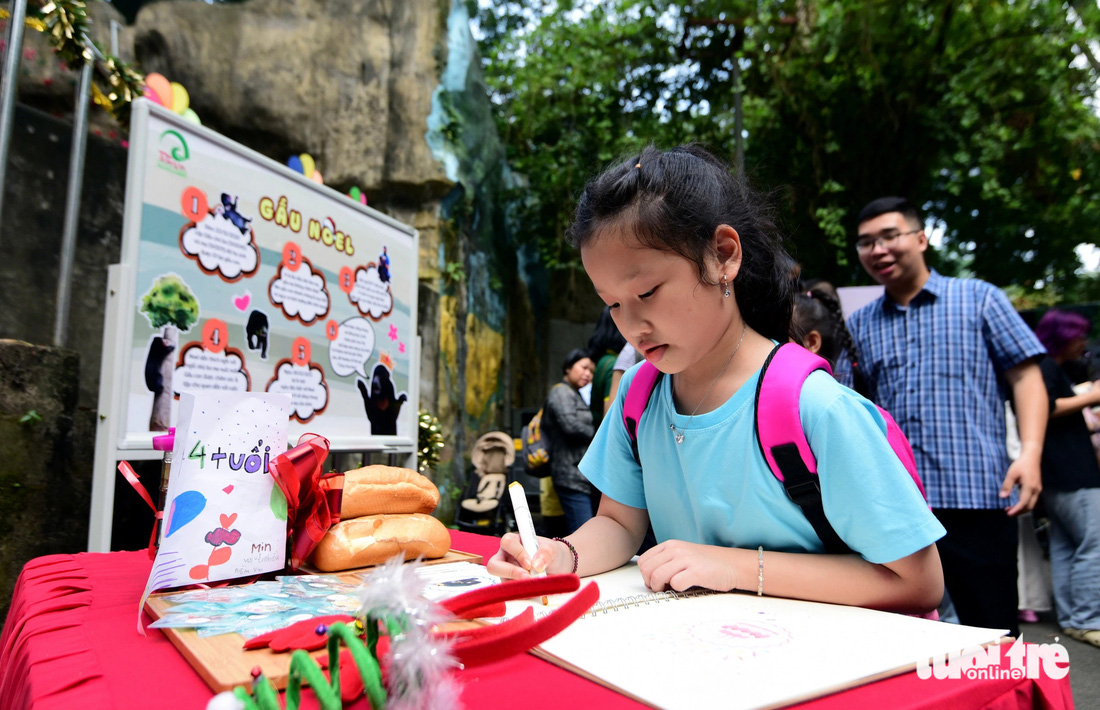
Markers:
1071,481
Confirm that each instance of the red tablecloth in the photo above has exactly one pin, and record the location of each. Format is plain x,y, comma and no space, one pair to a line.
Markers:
70,642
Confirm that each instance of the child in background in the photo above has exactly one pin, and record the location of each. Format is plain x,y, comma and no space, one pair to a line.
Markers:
603,347
818,324
697,281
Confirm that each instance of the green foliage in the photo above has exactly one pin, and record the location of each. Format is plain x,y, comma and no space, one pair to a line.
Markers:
170,302
429,441
455,272
983,113
31,418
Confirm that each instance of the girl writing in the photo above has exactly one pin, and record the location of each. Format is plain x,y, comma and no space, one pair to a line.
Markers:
698,283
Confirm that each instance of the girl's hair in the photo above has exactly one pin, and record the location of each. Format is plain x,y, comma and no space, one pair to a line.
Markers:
605,337
1057,329
817,309
575,355
674,201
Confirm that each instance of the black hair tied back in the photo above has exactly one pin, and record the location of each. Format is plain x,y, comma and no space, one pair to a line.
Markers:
674,200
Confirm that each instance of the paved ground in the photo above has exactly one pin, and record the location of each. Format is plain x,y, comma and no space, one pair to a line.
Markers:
1084,660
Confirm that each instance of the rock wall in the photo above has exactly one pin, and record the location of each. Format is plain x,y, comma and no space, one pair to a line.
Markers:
44,483
349,82
387,96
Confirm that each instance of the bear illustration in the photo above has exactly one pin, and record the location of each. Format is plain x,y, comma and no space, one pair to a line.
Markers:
382,403
158,350
257,332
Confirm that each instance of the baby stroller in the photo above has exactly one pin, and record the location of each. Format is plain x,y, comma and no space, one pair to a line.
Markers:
482,510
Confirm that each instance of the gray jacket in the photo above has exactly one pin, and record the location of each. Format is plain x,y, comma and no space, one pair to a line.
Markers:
567,426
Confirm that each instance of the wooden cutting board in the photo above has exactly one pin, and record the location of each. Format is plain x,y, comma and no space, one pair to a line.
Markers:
221,660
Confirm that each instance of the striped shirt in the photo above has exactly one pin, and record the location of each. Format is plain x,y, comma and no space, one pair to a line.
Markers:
937,366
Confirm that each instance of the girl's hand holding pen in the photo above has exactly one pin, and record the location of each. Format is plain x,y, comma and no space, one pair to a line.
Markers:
512,562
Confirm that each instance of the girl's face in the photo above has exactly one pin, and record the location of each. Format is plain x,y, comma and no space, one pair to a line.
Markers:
581,373
657,300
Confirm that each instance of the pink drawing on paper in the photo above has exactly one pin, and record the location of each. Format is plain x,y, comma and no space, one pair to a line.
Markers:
743,638
225,535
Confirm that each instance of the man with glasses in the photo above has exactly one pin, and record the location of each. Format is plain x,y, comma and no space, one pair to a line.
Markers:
941,354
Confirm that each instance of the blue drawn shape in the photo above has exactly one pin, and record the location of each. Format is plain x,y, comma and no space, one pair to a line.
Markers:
185,508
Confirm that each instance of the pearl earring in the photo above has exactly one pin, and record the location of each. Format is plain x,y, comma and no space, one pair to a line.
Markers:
726,286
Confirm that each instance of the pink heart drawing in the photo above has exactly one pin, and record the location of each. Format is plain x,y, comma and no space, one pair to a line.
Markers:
228,489
228,520
241,302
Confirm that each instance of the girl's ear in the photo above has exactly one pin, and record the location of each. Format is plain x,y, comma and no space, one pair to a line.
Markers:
727,247
812,341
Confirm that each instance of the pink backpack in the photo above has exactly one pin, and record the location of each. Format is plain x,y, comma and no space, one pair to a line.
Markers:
779,431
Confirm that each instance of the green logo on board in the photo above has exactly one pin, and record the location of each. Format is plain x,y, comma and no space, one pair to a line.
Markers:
173,152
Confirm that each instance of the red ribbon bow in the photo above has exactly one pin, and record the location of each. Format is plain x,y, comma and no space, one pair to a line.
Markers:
312,497
131,477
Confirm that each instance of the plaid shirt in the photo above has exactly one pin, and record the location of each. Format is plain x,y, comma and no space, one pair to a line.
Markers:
937,366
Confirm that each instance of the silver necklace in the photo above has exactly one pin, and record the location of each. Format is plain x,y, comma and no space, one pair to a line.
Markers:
679,434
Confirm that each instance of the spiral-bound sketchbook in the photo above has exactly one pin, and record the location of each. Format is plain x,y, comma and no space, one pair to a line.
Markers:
704,649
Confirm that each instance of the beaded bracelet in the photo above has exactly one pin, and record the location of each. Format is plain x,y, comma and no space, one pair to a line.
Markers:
760,571
576,557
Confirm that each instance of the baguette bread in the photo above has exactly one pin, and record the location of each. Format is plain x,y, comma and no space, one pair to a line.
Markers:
373,539
378,490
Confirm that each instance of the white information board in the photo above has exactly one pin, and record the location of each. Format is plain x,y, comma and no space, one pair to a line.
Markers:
239,274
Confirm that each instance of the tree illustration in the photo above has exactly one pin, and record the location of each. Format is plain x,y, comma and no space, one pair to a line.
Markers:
169,304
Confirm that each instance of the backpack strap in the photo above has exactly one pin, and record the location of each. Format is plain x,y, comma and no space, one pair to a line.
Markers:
637,399
900,444
782,440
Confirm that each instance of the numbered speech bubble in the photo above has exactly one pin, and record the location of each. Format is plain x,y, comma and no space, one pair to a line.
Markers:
203,369
220,242
305,385
354,344
370,295
301,292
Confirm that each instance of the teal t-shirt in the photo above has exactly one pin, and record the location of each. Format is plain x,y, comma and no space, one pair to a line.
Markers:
716,488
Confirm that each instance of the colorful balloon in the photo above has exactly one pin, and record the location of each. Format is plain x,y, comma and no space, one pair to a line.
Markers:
354,193
294,163
190,115
180,100
316,177
308,164
162,87
152,95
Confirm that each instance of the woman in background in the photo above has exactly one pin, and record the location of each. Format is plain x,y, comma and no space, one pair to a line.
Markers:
567,426
1071,481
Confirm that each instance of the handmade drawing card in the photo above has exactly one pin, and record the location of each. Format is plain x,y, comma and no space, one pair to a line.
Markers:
224,517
